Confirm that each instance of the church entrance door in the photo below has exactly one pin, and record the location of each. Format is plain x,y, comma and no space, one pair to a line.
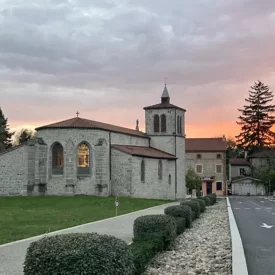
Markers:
209,188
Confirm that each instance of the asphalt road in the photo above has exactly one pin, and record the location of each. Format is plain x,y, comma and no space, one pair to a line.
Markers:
259,242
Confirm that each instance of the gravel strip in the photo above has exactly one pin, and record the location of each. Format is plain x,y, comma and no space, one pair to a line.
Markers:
203,249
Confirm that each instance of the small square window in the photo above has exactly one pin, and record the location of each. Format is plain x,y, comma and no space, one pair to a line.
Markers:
218,186
242,172
199,168
198,156
219,156
218,169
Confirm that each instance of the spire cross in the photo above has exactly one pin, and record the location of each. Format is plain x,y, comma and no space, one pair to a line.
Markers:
77,113
165,80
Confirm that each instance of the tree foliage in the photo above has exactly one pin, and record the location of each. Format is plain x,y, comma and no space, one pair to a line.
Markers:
5,134
193,181
24,135
257,119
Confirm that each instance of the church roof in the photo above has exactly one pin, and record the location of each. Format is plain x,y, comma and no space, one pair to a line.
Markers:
205,145
143,151
165,105
83,123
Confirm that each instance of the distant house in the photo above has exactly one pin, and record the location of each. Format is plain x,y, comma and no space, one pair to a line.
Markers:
207,156
262,158
240,178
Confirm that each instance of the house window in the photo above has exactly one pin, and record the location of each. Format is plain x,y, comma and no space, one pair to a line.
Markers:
160,170
142,171
219,156
178,124
163,123
83,159
242,172
218,168
156,123
57,159
218,186
198,156
181,125
199,168
169,179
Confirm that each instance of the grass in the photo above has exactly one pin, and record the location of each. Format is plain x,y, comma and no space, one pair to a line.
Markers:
24,217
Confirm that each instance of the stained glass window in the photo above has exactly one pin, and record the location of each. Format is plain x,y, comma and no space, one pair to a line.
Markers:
57,159
83,159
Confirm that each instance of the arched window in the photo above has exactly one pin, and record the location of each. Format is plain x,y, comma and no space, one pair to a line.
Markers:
169,179
57,159
156,123
178,124
181,125
83,159
142,171
160,170
163,123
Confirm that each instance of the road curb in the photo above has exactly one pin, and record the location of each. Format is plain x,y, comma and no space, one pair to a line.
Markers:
239,266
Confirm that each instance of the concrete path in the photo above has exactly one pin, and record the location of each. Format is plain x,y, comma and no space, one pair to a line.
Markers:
251,215
12,255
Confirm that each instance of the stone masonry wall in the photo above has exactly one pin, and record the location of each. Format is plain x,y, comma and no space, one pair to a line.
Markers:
121,173
153,187
14,171
234,171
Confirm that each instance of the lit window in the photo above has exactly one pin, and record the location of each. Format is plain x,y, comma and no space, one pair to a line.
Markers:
83,159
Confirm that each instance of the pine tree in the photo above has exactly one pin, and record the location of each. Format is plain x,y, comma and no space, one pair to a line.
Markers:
24,135
257,120
5,134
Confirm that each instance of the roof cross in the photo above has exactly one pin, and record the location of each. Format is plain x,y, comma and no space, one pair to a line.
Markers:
77,113
165,80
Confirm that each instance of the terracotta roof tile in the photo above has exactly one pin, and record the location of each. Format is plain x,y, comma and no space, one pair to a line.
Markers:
78,122
239,162
165,105
143,151
205,145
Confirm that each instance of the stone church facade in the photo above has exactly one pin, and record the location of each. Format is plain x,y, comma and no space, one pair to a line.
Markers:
84,157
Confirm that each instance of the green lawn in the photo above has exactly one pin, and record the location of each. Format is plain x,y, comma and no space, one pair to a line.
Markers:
23,217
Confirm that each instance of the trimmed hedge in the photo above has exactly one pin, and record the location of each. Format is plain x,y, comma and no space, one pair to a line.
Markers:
161,226
212,199
207,201
193,215
143,251
195,206
215,197
202,204
79,253
183,211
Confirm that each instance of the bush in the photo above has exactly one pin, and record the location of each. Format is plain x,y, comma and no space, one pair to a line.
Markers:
79,253
193,215
207,201
202,204
212,199
183,211
143,251
161,226
195,206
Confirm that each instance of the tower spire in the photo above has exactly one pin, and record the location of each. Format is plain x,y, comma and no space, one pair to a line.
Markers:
165,98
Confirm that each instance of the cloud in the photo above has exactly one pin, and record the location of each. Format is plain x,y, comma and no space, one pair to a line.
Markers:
110,57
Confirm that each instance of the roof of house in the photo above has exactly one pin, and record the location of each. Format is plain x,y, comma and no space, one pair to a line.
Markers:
78,122
144,151
205,145
241,178
239,162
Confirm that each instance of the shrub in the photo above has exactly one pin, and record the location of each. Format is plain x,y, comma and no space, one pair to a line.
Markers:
202,204
183,211
161,226
195,206
193,215
212,199
207,201
79,253
143,251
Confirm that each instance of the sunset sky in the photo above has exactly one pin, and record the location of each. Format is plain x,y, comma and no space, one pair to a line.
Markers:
108,59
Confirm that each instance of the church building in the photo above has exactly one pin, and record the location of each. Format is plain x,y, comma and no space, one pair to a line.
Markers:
79,156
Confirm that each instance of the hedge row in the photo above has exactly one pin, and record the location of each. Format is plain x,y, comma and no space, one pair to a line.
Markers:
94,254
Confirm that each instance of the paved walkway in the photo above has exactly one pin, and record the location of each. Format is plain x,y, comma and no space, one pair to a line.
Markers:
12,255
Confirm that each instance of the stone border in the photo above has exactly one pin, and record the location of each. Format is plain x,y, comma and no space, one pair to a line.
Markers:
239,266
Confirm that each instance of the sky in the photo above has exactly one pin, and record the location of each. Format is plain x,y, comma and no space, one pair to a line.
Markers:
107,59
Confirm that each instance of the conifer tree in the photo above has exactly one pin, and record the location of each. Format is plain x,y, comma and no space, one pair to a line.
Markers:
5,134
257,119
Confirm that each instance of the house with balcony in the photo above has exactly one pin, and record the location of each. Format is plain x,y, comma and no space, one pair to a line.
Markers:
207,156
